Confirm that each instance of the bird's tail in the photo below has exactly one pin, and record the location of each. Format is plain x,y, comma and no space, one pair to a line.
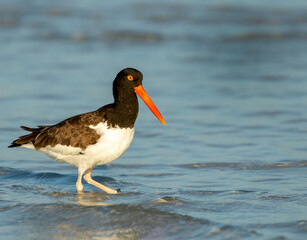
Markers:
29,138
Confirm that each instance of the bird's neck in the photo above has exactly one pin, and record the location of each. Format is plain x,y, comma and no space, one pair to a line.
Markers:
127,103
126,108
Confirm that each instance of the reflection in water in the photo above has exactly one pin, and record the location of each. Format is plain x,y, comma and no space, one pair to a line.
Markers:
91,218
91,199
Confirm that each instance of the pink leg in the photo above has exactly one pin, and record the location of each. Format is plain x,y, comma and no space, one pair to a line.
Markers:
87,177
79,181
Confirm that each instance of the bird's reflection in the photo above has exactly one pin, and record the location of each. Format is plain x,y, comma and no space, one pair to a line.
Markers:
99,230
91,199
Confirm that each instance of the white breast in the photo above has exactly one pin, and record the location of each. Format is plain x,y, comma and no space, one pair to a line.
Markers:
113,142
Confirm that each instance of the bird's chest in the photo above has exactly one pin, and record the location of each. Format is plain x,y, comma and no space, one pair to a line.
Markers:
113,142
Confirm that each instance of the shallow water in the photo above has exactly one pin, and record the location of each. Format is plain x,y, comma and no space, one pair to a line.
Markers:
229,79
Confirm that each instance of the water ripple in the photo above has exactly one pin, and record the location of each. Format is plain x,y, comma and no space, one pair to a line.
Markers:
247,166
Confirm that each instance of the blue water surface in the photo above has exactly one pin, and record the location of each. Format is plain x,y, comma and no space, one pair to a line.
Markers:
229,77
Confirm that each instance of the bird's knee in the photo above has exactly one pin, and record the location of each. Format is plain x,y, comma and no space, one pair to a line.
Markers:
87,178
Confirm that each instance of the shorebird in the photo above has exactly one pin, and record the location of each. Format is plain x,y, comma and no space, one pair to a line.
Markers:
94,138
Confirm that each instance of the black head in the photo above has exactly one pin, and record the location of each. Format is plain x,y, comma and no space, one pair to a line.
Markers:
126,85
128,79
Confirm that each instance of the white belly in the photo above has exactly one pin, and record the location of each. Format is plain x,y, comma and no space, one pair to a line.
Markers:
113,142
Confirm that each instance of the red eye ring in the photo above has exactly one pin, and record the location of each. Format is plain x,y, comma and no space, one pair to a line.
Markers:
130,78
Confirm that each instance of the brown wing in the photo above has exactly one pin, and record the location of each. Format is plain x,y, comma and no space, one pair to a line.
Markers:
29,137
73,131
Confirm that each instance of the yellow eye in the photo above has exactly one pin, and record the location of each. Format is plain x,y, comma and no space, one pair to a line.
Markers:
130,78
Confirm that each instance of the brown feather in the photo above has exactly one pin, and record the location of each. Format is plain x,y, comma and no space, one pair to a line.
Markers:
74,131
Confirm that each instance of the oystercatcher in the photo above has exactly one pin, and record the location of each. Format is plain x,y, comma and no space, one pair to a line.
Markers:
97,137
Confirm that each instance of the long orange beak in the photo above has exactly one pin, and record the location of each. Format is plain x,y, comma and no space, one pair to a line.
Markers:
142,94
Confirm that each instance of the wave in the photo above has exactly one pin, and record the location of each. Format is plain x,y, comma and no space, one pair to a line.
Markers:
122,221
247,166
